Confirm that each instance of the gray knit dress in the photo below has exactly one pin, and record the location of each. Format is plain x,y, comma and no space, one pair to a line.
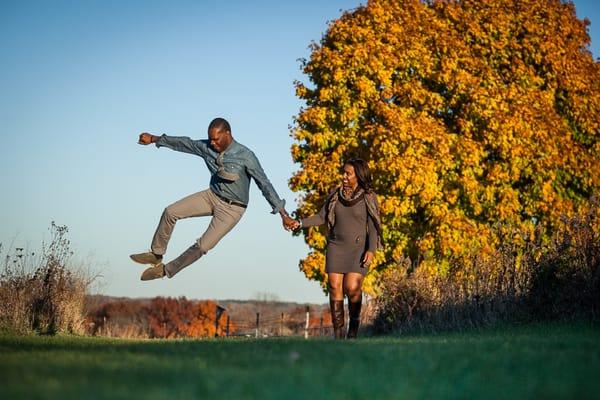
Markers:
348,241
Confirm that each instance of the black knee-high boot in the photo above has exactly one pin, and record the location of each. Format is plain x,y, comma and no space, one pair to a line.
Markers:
337,318
354,318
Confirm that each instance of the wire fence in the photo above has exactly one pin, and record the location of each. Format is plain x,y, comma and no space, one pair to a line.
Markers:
269,324
279,325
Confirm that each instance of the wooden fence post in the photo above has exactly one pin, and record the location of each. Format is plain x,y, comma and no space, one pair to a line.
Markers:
321,327
307,323
257,324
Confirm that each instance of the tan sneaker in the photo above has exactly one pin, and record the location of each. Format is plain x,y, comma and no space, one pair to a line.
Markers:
155,272
146,258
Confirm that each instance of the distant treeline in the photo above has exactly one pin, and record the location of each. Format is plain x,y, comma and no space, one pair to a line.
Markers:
165,317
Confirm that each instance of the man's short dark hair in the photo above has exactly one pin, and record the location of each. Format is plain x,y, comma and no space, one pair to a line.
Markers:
220,124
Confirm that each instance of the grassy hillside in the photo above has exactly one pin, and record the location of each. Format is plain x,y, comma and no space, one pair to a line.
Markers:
541,361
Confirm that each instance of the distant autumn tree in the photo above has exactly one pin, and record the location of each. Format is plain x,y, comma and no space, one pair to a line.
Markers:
169,318
202,321
474,115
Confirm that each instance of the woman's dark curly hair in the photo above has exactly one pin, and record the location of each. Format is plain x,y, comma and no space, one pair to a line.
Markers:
363,174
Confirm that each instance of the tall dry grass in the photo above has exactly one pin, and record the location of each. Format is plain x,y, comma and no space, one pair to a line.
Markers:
43,292
525,279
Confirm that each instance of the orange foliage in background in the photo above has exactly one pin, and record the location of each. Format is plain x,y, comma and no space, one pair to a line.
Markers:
476,117
160,317
170,317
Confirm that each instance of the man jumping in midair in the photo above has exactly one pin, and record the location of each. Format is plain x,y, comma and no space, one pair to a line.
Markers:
231,165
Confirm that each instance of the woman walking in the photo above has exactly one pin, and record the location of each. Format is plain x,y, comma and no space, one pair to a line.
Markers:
351,213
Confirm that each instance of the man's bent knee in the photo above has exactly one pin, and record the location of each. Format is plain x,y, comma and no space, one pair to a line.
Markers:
205,245
169,214
209,240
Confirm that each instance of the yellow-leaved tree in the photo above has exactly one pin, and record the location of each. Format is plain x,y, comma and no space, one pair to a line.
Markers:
472,115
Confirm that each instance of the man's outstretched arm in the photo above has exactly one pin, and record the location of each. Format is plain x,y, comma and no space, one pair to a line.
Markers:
258,174
177,143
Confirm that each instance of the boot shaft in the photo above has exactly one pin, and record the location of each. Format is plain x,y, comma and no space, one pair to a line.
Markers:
354,319
337,317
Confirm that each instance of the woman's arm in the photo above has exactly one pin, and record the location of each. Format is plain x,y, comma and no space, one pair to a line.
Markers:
372,233
372,238
314,220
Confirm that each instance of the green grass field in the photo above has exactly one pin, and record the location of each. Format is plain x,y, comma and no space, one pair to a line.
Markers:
534,362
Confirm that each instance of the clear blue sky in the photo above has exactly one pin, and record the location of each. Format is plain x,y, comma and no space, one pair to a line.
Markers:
80,80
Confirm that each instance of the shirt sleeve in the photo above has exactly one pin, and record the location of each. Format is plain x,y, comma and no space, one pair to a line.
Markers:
184,144
372,234
315,220
258,174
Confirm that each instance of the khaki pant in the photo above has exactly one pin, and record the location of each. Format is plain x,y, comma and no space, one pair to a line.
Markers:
224,218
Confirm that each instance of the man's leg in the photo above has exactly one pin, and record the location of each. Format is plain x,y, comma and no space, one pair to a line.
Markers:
195,205
225,217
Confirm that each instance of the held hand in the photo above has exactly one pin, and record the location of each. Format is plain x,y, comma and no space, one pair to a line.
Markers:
288,222
367,259
295,225
145,138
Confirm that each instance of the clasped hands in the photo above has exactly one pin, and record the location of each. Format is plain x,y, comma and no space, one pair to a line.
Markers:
289,224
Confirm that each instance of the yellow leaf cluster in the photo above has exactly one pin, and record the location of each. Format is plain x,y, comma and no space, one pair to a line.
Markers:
471,114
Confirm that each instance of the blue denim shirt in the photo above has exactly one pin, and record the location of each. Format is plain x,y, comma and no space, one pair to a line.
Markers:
237,161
